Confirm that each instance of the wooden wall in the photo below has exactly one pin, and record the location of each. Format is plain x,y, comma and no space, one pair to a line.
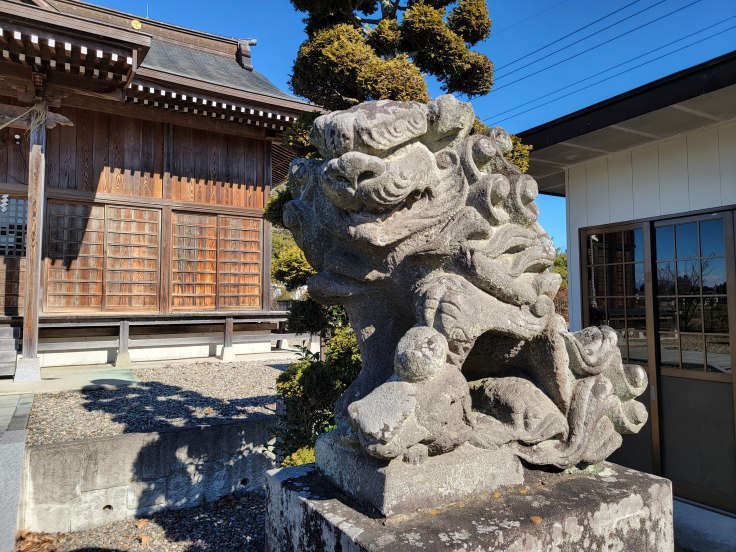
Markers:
143,216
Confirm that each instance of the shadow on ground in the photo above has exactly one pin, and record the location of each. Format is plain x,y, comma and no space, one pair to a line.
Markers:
184,466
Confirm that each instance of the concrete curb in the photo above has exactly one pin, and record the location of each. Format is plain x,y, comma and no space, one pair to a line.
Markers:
12,460
82,484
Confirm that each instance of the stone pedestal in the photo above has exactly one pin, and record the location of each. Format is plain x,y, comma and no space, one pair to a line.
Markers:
396,487
607,507
27,369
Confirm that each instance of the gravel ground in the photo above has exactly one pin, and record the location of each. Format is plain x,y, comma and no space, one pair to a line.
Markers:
169,396
228,525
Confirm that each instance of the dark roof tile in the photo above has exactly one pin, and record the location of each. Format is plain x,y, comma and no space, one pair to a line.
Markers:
209,67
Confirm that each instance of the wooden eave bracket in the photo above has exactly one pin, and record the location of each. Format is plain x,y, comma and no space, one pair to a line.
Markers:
22,120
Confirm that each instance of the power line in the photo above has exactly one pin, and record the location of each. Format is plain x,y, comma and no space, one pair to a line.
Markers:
576,31
514,25
616,75
610,68
597,46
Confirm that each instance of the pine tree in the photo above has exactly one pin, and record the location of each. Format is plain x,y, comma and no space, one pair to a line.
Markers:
360,50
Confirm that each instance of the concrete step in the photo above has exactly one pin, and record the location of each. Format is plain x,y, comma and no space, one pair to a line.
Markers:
8,356
8,344
9,331
7,368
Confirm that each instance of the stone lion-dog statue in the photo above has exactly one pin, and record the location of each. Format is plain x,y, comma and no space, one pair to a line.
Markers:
430,238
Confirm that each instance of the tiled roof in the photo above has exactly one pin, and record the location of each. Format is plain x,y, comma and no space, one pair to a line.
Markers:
209,67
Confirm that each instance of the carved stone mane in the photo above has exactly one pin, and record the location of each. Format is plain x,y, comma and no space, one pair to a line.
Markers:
429,237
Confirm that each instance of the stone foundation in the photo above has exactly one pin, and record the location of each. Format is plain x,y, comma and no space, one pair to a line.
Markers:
603,508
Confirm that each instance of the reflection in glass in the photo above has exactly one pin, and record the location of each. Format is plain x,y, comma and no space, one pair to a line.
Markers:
667,315
636,316
633,245
597,312
690,314
688,277
686,239
638,352
614,247
623,345
617,313
714,275
596,249
669,350
692,350
715,314
711,238
597,282
634,278
718,354
665,243
666,278
615,279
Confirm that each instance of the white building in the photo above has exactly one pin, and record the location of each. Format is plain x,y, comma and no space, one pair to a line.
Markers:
650,182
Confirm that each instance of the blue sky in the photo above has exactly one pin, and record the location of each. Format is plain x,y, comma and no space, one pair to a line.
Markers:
616,45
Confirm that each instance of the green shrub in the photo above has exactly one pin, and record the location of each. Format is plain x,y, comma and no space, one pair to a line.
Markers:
307,317
309,388
291,268
304,455
274,210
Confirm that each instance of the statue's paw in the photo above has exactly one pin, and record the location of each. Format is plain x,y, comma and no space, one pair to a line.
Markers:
380,415
526,413
416,455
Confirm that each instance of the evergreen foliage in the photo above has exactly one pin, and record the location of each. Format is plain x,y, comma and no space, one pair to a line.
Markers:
274,210
308,390
291,268
560,267
519,155
360,50
281,239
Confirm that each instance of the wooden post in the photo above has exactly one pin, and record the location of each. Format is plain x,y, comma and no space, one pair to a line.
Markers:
228,354
29,367
123,357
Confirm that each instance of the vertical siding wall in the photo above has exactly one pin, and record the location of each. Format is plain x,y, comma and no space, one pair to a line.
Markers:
686,173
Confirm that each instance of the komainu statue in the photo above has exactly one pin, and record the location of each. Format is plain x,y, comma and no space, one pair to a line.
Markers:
429,237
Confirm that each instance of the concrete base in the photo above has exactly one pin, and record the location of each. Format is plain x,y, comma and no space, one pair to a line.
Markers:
227,354
397,487
604,508
122,360
28,369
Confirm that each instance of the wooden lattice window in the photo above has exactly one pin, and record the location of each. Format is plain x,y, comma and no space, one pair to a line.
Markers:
102,258
194,262
131,258
239,272
13,226
76,249
216,262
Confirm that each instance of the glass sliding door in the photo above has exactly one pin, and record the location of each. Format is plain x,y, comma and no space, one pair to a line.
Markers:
616,297
668,288
693,258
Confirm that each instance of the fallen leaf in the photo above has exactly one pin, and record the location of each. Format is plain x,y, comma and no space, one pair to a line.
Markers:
141,523
496,494
523,491
145,540
536,519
